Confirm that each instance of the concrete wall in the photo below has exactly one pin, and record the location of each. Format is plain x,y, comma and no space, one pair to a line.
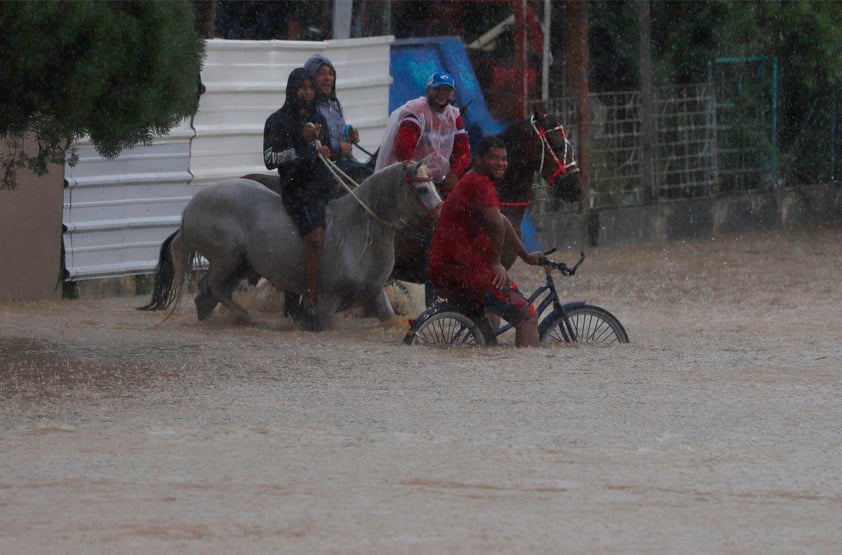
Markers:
692,218
30,238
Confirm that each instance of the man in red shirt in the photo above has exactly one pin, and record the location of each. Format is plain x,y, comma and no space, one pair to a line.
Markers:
464,255
429,126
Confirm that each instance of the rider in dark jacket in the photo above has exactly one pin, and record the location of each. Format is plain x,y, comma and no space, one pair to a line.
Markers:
293,138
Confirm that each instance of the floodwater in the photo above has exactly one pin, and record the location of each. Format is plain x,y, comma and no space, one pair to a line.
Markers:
717,430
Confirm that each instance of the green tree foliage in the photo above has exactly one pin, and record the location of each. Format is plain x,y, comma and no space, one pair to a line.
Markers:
613,45
119,72
805,37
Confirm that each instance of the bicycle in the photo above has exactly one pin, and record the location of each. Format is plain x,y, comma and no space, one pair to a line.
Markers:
448,323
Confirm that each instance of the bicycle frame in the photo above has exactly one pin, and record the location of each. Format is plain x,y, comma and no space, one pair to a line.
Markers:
551,299
552,296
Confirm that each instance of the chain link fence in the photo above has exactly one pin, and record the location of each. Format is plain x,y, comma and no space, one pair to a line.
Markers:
713,138
693,154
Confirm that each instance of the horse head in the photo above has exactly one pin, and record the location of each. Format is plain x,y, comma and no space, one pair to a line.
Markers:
423,190
558,167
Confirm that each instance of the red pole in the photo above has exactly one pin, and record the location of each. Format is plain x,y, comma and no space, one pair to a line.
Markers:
520,55
576,54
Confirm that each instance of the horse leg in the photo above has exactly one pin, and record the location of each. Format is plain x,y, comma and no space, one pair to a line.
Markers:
380,306
292,305
216,287
411,247
430,291
411,253
205,302
241,316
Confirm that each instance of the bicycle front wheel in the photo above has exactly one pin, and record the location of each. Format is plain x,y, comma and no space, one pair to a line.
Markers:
587,324
445,328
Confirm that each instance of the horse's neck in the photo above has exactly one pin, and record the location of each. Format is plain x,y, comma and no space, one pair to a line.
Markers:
524,161
381,196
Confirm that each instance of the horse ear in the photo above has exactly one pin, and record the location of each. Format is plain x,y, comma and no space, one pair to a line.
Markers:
426,160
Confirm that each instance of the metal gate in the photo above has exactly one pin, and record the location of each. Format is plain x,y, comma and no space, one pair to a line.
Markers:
746,121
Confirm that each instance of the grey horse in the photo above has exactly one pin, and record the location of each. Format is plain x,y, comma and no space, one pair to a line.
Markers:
243,231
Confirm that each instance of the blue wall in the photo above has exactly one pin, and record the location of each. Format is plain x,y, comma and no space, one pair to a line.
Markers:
414,60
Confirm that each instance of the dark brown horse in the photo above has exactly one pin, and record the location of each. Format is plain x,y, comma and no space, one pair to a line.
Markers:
537,145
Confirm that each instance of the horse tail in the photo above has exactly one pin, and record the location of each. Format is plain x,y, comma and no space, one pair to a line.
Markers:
162,292
181,258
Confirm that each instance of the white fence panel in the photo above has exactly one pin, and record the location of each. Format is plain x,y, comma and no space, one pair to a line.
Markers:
117,212
245,82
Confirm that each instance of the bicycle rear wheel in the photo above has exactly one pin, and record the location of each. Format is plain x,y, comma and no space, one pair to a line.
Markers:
445,328
590,325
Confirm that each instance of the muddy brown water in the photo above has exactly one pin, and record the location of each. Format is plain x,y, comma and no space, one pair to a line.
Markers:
717,430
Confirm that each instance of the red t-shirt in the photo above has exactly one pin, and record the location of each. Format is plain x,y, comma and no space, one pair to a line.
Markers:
458,255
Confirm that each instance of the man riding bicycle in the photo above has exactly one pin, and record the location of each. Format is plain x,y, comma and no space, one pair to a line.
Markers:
464,256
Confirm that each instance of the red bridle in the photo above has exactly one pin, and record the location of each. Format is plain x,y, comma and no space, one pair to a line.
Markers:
562,168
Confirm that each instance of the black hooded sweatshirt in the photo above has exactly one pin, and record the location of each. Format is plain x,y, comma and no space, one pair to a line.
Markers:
302,173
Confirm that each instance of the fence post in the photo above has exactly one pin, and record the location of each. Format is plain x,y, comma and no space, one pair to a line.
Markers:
647,113
774,123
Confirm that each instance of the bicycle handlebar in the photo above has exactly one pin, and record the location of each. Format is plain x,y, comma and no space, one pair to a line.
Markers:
563,268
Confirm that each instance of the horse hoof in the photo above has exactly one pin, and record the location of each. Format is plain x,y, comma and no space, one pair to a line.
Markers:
243,320
204,307
310,320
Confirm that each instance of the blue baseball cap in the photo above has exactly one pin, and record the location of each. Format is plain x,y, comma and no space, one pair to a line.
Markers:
441,79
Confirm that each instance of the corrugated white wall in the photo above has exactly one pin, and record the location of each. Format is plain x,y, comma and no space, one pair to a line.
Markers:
117,212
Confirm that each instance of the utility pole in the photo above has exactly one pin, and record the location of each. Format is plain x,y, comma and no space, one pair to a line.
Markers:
521,60
342,10
545,55
647,103
575,47
205,16
387,18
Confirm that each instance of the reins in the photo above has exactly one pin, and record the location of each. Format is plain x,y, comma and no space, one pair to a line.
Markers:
344,179
341,176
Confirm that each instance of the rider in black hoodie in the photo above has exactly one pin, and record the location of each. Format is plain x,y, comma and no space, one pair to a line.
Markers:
293,138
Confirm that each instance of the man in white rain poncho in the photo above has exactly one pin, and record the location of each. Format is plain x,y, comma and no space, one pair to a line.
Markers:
429,125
